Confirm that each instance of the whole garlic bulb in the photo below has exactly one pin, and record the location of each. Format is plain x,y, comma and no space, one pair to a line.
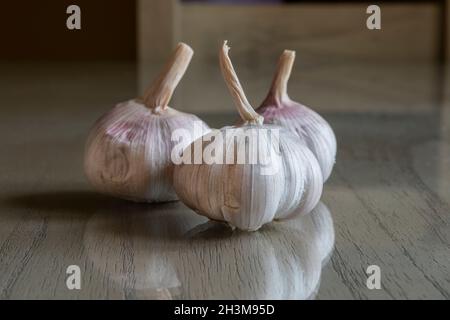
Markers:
247,194
313,130
128,152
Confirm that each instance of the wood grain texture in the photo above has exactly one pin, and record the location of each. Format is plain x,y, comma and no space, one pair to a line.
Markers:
388,199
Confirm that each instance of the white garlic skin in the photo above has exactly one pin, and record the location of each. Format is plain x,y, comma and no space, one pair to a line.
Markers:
241,194
308,125
128,151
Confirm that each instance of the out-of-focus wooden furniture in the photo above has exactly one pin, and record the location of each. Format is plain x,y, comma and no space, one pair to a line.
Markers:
447,33
322,30
337,56
157,28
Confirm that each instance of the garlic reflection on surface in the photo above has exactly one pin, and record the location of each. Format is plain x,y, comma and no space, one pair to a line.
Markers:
178,254
319,224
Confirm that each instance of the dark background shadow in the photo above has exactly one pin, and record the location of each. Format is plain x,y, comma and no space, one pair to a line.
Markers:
36,30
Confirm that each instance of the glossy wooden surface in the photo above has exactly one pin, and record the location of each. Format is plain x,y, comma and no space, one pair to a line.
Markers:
387,203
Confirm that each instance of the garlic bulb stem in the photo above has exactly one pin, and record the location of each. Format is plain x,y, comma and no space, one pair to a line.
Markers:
278,90
244,108
158,95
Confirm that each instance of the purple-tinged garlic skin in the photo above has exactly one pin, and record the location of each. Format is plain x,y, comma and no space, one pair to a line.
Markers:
307,124
128,151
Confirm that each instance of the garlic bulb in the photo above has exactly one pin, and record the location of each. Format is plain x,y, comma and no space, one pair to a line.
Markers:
128,152
313,130
250,174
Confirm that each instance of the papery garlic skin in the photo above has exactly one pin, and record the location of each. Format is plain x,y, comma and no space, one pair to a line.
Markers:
285,179
128,151
248,196
308,125
313,181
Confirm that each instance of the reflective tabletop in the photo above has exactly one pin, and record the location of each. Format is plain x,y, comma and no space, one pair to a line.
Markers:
386,205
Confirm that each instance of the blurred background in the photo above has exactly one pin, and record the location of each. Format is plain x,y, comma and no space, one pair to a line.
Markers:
341,65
